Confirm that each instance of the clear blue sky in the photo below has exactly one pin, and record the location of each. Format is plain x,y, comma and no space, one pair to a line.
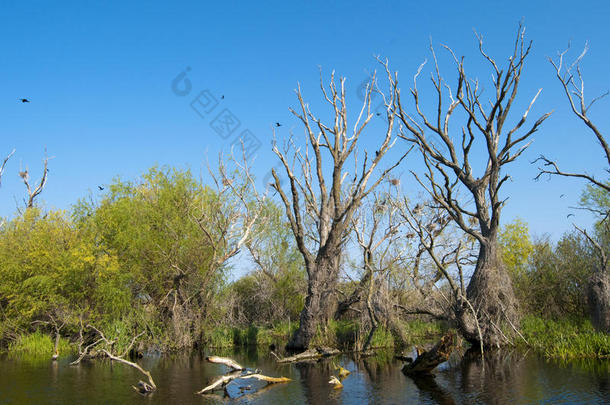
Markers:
99,78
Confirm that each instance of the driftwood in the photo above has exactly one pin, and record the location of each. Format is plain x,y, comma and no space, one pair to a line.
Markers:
221,382
238,372
142,386
226,361
337,384
311,354
426,361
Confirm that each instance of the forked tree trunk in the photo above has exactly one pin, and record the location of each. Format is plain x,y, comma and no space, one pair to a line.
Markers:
320,302
491,294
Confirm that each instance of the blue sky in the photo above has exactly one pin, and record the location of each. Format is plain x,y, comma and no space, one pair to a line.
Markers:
99,76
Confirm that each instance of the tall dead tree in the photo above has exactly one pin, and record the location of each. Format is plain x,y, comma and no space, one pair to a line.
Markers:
321,201
449,168
572,82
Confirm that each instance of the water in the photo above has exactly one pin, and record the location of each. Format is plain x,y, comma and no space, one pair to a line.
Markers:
507,378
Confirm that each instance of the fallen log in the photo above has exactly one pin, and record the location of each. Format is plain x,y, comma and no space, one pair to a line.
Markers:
271,380
310,354
222,381
238,372
226,361
143,387
426,361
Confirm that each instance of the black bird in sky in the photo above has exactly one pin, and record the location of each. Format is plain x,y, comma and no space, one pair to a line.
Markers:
570,215
277,124
561,196
101,188
222,97
378,114
24,100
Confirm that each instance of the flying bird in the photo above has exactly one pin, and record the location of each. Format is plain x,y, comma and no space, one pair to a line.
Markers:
101,188
570,215
277,124
24,100
561,196
222,97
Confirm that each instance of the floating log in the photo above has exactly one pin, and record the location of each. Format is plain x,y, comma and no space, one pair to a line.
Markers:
226,361
221,382
271,380
428,360
238,372
310,354
335,382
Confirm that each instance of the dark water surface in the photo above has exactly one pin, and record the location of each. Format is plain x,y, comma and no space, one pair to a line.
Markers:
507,378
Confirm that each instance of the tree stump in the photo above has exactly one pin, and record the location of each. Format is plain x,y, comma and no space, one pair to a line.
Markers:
428,360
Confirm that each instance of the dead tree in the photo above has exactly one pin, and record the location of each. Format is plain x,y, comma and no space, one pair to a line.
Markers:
35,191
106,346
321,201
377,229
4,164
449,169
571,79
449,255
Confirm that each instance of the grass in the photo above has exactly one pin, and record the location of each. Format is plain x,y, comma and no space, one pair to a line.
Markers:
565,339
38,344
348,334
418,330
250,336
343,334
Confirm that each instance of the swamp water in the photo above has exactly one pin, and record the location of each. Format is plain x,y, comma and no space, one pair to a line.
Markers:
509,378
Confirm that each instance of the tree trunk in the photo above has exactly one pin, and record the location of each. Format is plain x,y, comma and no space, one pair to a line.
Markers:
490,292
598,296
319,303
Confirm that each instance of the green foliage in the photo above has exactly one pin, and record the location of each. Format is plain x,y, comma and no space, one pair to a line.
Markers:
565,339
48,267
555,283
516,245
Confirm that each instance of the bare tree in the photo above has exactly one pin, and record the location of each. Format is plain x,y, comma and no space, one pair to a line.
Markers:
34,192
107,346
449,168
571,79
322,201
4,164
377,229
